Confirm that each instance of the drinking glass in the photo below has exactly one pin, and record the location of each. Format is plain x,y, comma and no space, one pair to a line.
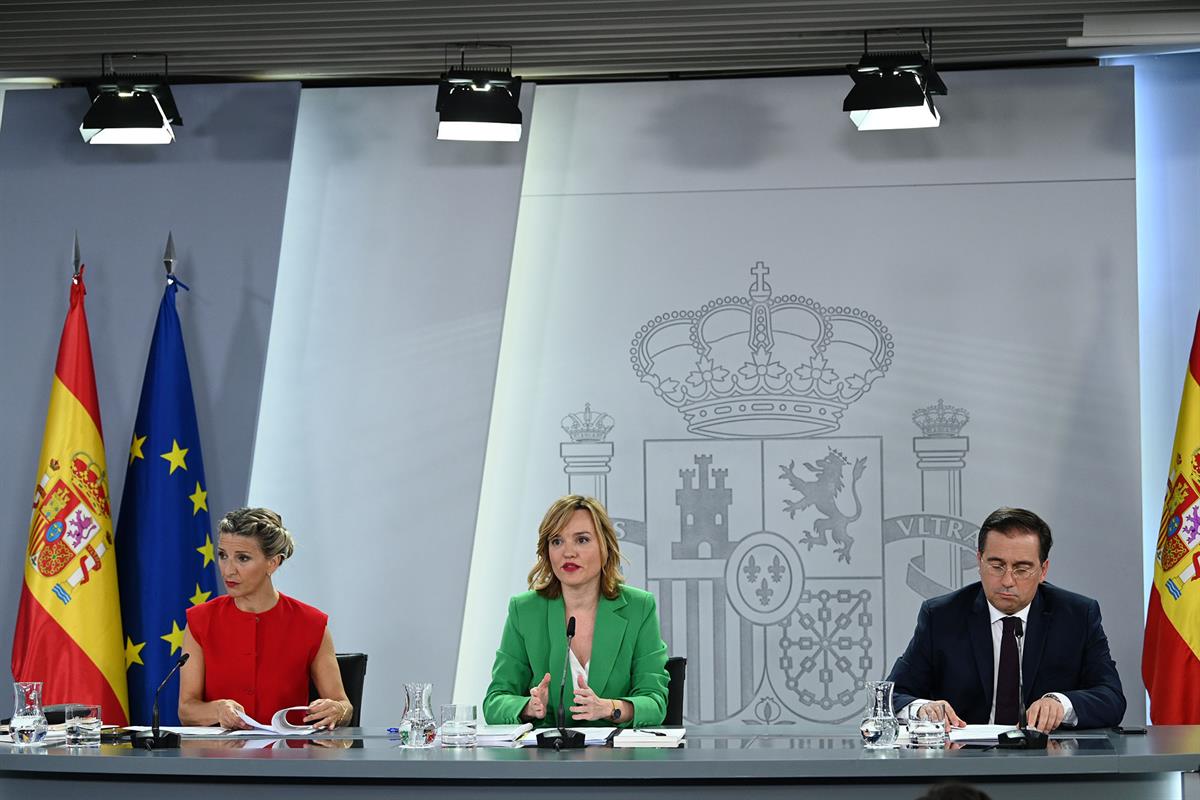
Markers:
28,724
460,723
83,725
927,733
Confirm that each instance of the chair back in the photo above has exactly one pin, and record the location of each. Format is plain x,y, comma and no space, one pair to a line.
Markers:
353,667
676,675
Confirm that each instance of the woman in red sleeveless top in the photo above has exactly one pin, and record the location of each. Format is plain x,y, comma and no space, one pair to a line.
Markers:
254,649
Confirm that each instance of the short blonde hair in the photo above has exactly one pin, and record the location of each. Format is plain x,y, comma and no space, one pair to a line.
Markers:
264,526
542,578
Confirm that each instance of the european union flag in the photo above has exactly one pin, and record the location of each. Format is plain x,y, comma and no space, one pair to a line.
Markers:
164,539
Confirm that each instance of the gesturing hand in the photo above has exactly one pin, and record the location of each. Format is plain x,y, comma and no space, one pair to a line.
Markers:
536,707
588,705
940,711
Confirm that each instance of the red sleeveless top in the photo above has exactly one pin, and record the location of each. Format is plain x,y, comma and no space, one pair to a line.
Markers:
259,660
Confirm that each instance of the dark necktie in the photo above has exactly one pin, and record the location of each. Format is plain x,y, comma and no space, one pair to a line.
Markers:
1008,675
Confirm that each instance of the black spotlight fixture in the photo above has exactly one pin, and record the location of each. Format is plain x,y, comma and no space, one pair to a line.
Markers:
894,90
130,108
478,102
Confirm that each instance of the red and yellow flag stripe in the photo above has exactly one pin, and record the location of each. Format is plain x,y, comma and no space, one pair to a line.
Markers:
68,632
1171,653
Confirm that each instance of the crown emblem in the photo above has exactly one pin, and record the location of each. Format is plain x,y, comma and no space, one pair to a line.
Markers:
587,425
762,365
941,421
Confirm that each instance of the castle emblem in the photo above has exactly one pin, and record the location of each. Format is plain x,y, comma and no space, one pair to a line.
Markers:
762,365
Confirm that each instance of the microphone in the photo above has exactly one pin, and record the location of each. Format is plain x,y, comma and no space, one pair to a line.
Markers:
562,685
154,739
1022,738
563,737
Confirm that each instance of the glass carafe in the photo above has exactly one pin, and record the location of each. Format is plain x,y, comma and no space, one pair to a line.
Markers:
879,728
418,728
28,724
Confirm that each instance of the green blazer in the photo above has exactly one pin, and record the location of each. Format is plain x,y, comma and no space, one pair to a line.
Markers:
628,659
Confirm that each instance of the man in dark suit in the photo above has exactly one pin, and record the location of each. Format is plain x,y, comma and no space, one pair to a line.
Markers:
962,663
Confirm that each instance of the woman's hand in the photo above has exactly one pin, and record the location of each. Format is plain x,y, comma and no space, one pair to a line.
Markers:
538,697
227,715
325,714
588,705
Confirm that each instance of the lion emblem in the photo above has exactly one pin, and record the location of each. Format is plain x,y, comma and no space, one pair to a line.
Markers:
822,493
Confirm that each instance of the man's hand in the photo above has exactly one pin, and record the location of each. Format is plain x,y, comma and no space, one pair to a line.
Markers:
538,697
942,711
1045,715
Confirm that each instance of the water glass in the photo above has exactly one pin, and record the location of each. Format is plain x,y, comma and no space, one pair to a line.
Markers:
460,723
927,733
83,725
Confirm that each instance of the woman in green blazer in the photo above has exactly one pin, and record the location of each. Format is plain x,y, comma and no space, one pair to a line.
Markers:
618,658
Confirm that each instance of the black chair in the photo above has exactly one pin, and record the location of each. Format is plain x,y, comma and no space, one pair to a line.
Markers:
676,675
353,667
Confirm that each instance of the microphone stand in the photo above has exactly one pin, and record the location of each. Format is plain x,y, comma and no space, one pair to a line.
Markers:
1024,738
562,738
155,739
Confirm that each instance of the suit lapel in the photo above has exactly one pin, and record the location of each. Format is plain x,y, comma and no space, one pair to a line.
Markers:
980,626
606,641
1040,617
556,631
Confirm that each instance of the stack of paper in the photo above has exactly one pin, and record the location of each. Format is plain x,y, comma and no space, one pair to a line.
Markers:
502,735
279,723
649,737
978,734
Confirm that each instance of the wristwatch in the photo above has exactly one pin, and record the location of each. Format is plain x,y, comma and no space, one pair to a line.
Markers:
616,714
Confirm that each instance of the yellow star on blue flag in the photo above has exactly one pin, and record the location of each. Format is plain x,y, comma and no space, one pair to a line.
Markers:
174,637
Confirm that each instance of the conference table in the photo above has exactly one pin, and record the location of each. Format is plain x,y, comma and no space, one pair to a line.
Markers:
366,763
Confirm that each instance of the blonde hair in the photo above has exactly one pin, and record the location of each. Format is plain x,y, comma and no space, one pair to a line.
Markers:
542,578
264,526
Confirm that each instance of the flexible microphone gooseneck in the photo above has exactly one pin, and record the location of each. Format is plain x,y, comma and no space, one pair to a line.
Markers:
1024,737
154,739
563,738
562,685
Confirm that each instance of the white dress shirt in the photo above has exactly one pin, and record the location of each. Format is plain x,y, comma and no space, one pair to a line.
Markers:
578,669
997,624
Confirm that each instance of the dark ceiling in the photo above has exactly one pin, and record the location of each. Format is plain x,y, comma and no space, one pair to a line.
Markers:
372,40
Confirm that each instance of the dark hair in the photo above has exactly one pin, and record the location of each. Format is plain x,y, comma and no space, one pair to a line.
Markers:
953,791
1017,520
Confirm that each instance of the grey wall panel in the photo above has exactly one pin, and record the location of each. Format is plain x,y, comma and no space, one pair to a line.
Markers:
221,188
998,251
380,373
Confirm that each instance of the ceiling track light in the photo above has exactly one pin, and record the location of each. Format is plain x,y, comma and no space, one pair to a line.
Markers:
131,107
894,90
478,102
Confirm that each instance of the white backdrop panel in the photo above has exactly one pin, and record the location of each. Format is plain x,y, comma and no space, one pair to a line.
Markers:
379,374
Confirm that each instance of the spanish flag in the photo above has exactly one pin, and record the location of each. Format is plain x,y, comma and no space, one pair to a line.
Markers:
69,620
1171,653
